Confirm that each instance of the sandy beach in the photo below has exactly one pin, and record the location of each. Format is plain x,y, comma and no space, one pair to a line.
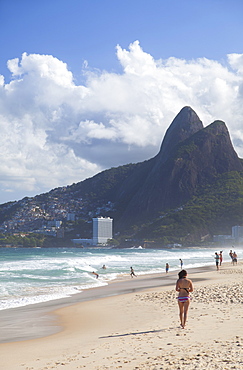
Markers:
139,328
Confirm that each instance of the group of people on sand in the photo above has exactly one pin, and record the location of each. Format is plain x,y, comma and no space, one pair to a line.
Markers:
233,257
219,258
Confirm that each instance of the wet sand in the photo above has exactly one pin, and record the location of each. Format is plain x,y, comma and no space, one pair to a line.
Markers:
133,324
37,320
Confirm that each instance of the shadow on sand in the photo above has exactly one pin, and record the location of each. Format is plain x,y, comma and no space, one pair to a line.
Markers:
137,333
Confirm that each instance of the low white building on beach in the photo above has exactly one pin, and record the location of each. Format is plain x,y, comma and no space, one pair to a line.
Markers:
235,237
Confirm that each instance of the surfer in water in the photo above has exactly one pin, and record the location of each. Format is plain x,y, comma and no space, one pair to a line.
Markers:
95,273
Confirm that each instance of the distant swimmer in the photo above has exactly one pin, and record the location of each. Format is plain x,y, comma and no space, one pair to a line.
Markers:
181,263
132,272
167,266
94,273
104,267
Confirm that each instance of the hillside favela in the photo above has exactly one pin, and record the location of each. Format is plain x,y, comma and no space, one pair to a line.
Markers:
190,193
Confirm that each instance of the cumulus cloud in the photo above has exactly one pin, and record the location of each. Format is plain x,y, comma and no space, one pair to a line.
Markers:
55,132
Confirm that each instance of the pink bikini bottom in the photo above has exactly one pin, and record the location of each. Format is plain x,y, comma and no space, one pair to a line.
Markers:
183,299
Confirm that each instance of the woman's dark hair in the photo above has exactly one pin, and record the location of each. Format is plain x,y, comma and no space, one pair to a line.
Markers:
182,274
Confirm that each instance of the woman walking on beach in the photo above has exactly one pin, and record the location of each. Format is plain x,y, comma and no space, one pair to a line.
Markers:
184,287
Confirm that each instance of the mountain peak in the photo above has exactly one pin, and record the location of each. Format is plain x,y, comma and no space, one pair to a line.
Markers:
217,127
190,157
184,125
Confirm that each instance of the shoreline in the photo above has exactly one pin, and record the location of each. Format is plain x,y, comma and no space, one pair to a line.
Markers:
39,320
139,328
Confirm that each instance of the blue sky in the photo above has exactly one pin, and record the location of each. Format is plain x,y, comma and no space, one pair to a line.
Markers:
77,30
87,85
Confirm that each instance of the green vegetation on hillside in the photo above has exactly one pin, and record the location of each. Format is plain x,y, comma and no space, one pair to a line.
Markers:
103,185
31,240
214,210
7,210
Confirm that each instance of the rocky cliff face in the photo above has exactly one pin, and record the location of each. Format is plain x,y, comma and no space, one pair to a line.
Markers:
185,124
190,156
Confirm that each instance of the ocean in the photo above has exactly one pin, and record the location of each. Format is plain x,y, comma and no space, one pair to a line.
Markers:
34,275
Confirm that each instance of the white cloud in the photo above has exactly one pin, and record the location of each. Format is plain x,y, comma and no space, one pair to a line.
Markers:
55,132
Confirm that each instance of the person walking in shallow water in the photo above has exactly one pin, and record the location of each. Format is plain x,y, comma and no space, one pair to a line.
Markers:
184,286
167,266
181,263
132,273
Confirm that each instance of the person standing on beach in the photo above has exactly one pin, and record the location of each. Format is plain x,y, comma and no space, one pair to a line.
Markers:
132,272
181,263
217,260
231,255
184,287
167,266
220,257
234,258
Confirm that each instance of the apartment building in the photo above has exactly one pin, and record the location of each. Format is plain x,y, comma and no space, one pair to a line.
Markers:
102,230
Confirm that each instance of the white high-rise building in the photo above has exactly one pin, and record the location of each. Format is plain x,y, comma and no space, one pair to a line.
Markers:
102,230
